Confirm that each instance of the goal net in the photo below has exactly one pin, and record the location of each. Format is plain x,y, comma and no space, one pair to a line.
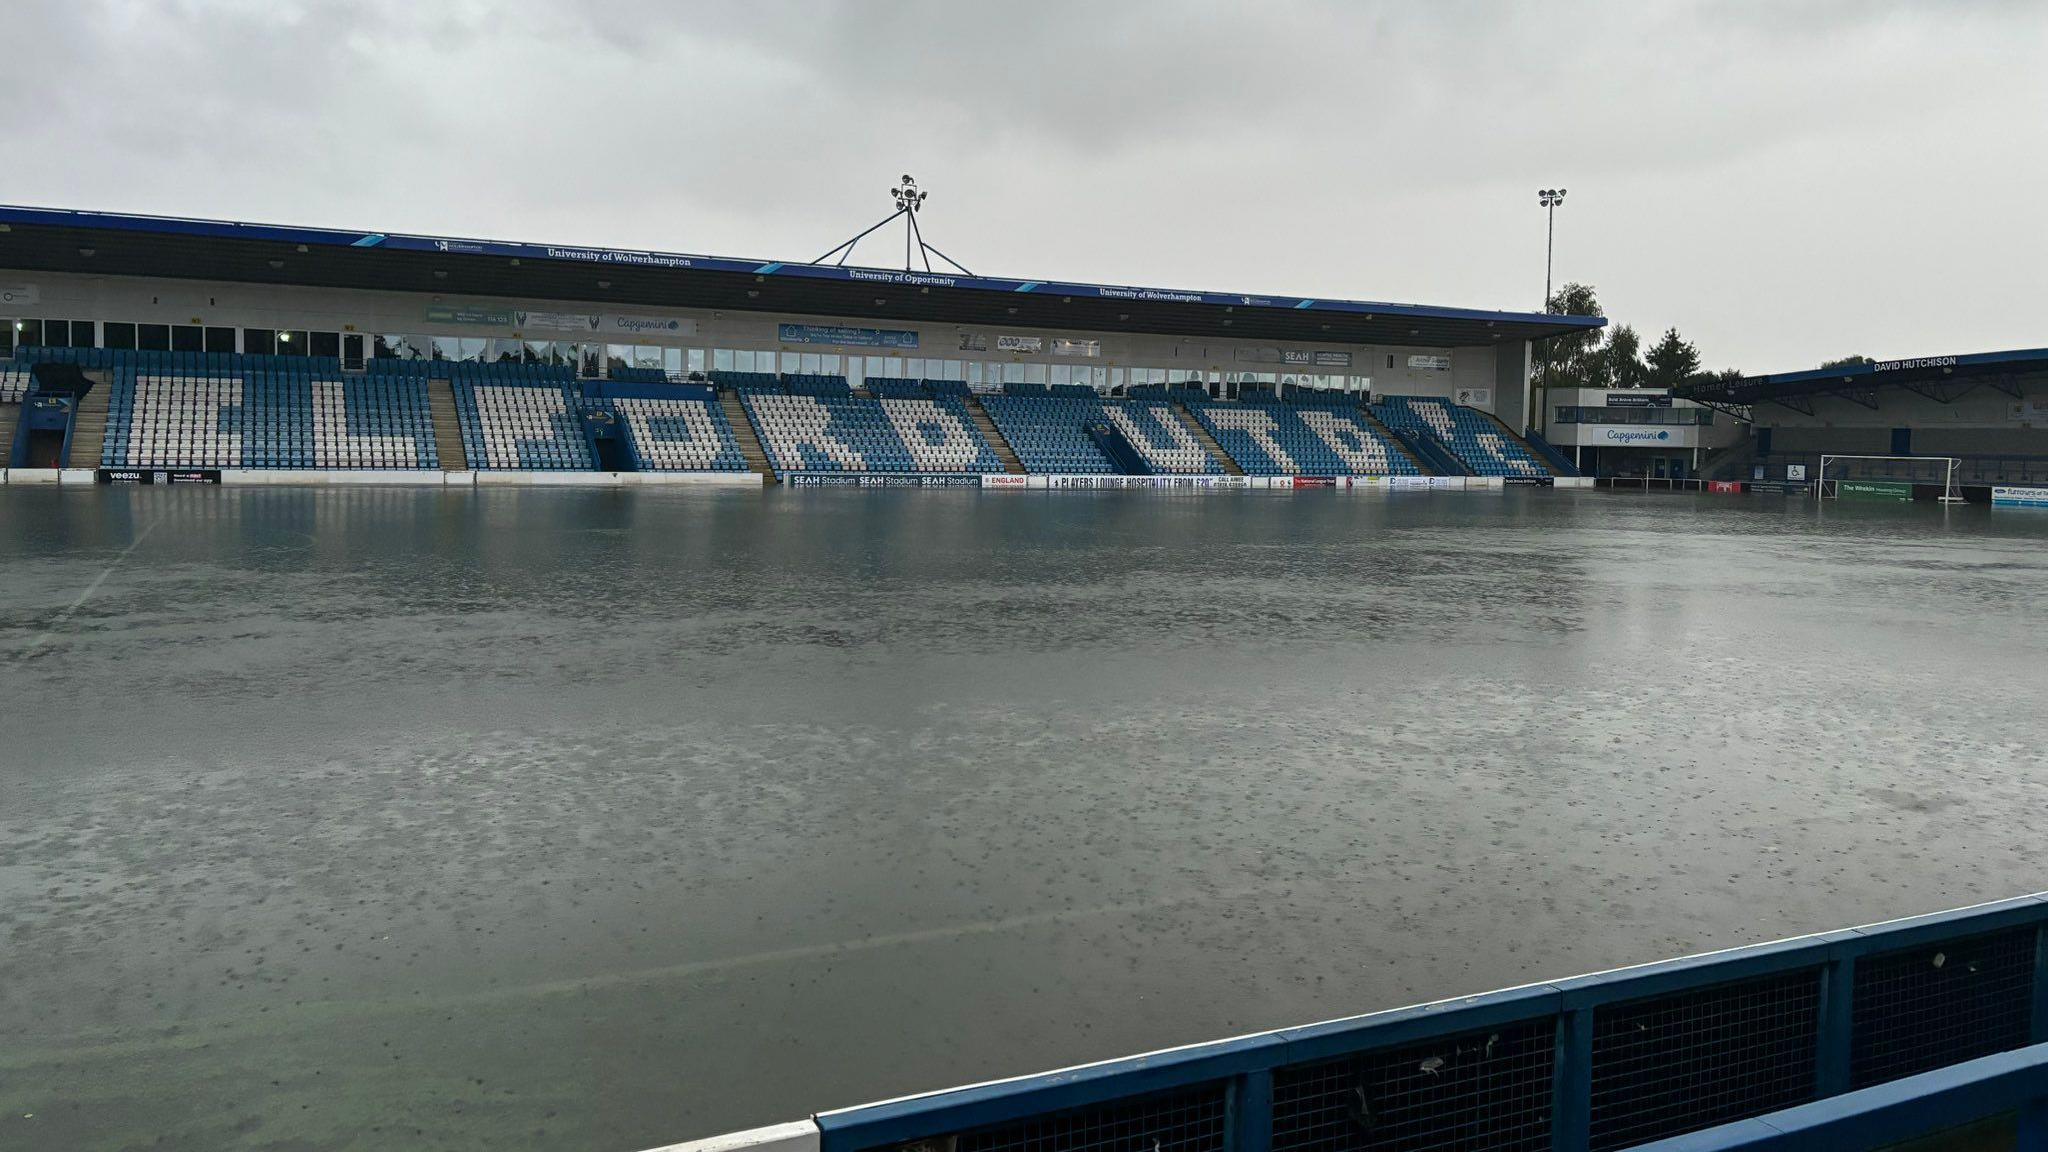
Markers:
1879,471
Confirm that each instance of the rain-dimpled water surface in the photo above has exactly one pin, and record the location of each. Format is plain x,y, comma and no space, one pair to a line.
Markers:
596,820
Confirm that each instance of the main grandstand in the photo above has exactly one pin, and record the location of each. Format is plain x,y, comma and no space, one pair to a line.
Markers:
148,347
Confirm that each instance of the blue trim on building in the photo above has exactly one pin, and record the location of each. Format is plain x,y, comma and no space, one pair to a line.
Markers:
1877,373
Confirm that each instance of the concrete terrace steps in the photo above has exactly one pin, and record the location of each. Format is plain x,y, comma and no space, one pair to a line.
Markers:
994,436
10,417
448,446
743,431
1208,442
89,424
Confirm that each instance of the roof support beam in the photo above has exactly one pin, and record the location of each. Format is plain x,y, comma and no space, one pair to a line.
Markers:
1726,408
1864,396
1939,391
1799,404
2004,384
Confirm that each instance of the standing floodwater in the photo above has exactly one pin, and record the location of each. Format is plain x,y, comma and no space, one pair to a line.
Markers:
594,820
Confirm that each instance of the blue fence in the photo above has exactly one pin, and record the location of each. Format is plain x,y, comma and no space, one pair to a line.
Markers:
1927,1105
1621,1059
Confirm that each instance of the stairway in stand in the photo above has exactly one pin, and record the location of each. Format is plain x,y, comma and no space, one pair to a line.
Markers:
1515,437
743,431
1393,441
89,424
448,447
10,416
1207,441
994,436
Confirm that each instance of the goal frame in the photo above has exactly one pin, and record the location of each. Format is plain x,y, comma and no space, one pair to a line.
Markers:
1950,493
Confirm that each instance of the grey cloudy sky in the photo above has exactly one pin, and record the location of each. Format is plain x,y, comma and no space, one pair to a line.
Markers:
1784,181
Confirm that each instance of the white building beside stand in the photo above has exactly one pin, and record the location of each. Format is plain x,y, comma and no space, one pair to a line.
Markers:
1636,432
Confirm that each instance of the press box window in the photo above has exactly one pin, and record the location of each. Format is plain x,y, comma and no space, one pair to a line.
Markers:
220,339
120,335
153,337
188,338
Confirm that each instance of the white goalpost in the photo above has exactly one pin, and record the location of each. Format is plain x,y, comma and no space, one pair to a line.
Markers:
1827,487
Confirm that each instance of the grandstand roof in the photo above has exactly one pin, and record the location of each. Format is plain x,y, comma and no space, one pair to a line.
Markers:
1916,371
113,244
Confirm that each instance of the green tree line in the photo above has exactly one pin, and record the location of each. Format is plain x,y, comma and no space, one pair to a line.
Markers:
1614,357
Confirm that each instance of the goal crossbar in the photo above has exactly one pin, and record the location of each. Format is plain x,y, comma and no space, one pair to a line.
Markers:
1950,493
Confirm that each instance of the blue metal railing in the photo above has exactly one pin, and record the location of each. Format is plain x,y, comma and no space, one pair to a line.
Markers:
1919,1106
1613,1060
1548,453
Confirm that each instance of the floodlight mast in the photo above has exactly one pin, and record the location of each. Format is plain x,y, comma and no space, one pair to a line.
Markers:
909,199
1548,199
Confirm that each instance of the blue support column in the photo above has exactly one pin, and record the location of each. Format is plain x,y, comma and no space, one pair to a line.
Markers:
1837,1026
1571,1101
1251,1112
2039,1032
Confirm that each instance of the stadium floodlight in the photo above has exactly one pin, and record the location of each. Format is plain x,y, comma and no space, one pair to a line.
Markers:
1549,199
909,200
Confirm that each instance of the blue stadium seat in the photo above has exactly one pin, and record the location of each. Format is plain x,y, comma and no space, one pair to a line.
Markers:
1472,435
285,418
675,435
748,381
1050,433
514,424
1302,440
896,386
896,434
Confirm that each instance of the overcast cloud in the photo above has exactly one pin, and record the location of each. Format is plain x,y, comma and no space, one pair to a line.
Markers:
1783,181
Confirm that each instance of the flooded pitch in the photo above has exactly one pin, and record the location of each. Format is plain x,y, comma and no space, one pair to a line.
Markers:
338,819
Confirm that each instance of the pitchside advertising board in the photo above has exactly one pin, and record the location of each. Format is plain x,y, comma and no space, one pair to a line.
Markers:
2008,497
1898,490
158,475
881,480
1205,483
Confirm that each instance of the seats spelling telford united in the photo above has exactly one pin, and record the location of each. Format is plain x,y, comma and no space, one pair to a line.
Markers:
298,416
1051,433
519,417
827,433
1472,435
1269,439
679,435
